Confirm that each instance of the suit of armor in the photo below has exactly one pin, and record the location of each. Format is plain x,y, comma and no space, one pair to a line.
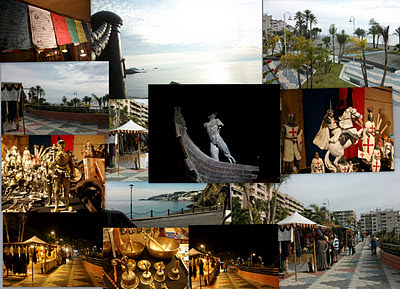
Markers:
62,168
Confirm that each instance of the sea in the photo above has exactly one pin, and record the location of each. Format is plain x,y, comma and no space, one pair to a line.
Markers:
141,208
241,72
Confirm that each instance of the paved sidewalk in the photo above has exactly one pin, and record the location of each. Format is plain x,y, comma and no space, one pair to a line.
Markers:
361,271
72,274
127,175
35,125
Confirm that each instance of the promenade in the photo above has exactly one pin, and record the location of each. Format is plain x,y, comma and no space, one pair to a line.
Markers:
360,271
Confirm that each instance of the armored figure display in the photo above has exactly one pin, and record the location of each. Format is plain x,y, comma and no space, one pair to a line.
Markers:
62,166
291,144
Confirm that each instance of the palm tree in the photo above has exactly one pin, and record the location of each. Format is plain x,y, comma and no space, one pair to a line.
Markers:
76,101
342,38
98,99
327,41
310,54
295,62
359,46
385,35
64,100
397,33
276,186
313,20
39,93
87,100
299,17
33,95
332,31
106,99
361,33
272,42
320,214
373,30
307,14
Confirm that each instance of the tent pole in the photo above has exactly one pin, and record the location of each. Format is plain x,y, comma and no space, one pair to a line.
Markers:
23,115
118,151
315,254
139,151
295,255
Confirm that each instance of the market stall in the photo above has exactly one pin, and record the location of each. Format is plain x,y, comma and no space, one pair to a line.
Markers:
300,231
145,258
130,141
12,106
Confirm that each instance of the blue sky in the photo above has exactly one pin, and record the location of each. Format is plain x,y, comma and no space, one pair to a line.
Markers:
386,12
59,78
143,190
169,33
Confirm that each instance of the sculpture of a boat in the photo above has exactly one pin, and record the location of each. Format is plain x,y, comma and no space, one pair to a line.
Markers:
207,169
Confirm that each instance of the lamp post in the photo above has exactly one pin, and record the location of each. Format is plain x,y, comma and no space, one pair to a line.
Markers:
354,23
284,30
326,201
131,186
251,259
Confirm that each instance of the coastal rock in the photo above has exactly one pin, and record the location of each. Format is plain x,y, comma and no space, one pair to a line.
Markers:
213,194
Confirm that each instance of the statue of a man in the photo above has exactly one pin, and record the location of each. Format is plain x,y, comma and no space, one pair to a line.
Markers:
63,165
290,146
217,143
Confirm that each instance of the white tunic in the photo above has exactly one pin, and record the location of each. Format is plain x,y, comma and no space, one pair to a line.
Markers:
291,149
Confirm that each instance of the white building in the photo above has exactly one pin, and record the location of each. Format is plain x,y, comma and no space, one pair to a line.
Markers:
379,221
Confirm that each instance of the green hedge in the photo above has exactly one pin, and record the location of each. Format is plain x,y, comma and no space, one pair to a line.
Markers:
65,109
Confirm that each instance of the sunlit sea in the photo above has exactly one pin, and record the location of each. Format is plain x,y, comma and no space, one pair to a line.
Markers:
243,72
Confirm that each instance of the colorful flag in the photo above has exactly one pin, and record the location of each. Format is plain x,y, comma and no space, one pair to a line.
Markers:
61,29
87,29
42,28
73,33
81,32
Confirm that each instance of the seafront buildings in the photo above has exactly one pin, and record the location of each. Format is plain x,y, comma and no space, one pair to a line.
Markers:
346,218
135,108
380,221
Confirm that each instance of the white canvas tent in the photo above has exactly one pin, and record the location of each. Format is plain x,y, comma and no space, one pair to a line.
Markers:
129,127
194,252
290,223
36,240
13,93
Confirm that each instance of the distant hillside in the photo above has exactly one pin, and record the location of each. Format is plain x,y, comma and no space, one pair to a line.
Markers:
191,196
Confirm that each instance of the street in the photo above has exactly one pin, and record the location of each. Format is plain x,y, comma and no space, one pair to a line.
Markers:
72,274
360,271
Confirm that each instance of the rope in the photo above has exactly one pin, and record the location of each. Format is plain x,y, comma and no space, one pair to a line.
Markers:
100,39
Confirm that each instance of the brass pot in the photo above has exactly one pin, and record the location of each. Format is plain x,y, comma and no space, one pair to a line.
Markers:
126,249
170,246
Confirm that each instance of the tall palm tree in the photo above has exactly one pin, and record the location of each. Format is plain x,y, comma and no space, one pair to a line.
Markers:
64,100
295,62
32,95
310,53
39,93
299,17
397,33
307,14
333,31
373,30
313,20
327,41
98,99
320,214
384,31
342,38
106,99
87,99
276,186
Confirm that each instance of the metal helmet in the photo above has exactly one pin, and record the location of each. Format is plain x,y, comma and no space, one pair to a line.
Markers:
292,117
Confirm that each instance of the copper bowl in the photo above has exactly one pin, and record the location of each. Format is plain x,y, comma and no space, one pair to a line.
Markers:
170,246
126,249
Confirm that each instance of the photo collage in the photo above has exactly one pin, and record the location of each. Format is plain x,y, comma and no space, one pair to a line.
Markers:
190,144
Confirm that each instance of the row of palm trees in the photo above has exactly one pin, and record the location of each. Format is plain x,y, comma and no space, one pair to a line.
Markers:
304,22
36,95
87,100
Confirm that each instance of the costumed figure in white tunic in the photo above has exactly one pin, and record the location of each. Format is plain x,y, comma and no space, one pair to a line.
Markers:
344,166
376,159
323,138
317,165
291,144
369,133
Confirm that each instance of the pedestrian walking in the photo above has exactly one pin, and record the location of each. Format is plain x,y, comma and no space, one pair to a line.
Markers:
351,245
321,248
374,244
335,245
328,253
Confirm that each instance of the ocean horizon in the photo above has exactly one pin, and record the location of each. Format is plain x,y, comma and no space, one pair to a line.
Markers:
241,72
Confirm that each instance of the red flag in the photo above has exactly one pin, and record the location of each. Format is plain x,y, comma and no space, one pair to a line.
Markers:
61,29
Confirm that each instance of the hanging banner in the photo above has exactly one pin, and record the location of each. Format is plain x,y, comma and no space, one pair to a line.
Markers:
42,28
14,28
81,32
87,29
73,33
61,29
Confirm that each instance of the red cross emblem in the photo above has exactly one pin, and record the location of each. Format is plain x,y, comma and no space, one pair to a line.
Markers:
372,127
293,132
344,169
376,166
368,145
362,154
318,164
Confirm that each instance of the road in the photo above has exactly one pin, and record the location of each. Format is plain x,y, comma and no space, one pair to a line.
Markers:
361,271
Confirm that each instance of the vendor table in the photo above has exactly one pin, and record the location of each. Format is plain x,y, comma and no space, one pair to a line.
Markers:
302,262
132,160
47,266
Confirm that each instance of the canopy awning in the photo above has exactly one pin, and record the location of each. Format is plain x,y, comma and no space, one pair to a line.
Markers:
35,240
194,252
131,126
297,220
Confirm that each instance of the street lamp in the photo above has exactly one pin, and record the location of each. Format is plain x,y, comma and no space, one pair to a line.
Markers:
325,202
354,23
131,186
251,259
284,30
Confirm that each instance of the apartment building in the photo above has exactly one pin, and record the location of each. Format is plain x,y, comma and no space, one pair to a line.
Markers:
346,218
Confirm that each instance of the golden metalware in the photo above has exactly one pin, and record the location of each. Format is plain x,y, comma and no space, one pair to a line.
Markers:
170,248
159,276
174,273
129,280
128,264
132,250
158,265
146,277
142,264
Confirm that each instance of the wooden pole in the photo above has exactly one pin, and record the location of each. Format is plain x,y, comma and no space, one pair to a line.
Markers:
139,150
315,254
295,256
23,115
117,151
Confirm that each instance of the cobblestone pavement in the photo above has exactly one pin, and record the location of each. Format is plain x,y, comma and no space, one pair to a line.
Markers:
127,175
35,125
72,274
361,271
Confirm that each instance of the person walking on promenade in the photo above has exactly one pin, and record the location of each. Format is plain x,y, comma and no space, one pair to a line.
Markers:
351,246
335,245
374,244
